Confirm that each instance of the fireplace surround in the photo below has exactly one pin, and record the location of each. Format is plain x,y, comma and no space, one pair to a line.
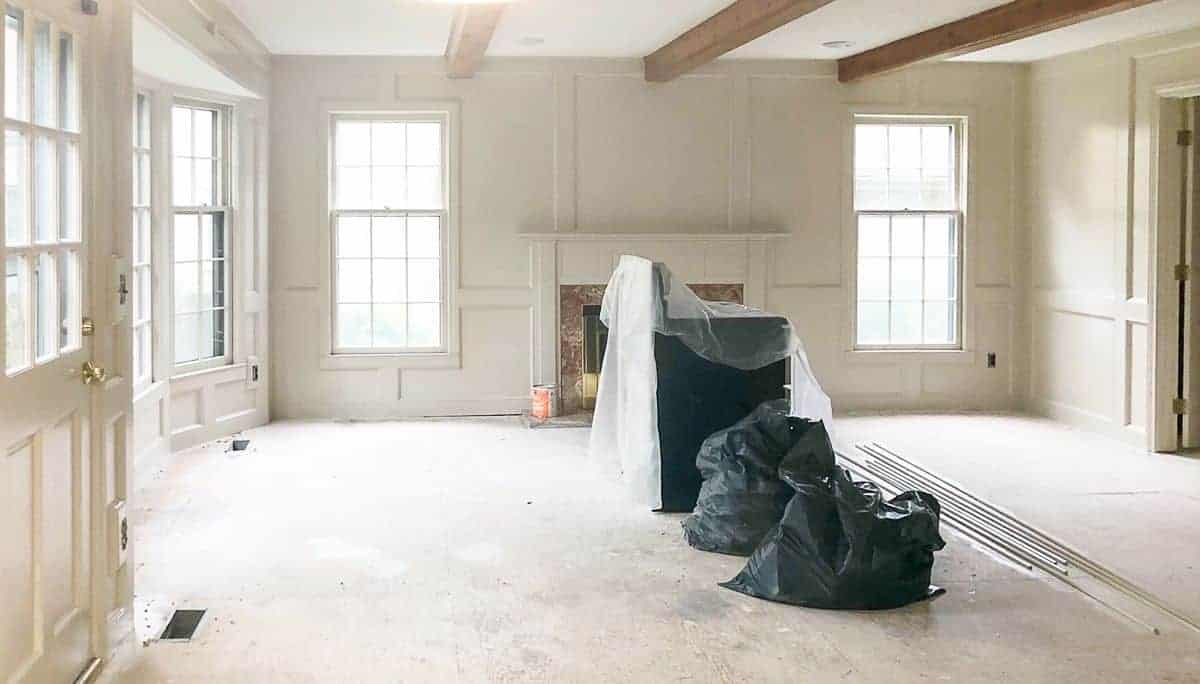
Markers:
575,392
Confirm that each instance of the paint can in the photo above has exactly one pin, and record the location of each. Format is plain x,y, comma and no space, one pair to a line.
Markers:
545,402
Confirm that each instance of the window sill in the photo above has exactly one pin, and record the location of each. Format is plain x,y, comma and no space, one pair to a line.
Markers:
147,388
382,361
201,370
945,356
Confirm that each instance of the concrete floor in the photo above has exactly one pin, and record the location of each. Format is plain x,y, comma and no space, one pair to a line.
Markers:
478,550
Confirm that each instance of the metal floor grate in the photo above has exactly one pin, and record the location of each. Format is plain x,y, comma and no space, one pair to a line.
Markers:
1015,540
183,625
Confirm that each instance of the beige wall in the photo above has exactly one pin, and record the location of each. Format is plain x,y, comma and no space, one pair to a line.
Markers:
587,146
174,412
1091,193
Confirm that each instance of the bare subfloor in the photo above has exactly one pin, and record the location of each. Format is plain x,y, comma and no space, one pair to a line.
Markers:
479,550
1135,511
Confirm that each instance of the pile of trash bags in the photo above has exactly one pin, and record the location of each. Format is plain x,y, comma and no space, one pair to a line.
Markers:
742,496
815,536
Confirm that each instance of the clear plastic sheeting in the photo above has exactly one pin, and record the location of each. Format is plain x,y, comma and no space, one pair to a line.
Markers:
644,298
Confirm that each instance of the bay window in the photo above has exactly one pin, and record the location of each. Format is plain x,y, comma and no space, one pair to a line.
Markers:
200,172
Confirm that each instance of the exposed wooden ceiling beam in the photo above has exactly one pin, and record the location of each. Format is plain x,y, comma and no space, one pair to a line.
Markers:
469,38
731,28
1003,24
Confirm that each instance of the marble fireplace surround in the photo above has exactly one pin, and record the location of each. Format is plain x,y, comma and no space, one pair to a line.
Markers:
571,270
572,300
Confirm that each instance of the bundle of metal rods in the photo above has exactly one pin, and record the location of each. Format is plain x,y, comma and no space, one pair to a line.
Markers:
1001,532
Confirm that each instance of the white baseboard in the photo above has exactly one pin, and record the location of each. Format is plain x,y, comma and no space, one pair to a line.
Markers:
502,406
1088,420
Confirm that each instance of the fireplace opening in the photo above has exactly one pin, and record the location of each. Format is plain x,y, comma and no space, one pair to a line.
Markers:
595,341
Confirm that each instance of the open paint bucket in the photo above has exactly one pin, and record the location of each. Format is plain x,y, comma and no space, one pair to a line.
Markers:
545,402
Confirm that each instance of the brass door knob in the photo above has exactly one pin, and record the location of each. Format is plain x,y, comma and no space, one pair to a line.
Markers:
93,374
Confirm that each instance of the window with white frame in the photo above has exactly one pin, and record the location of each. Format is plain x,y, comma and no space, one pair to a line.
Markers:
142,228
43,222
388,222
199,173
909,218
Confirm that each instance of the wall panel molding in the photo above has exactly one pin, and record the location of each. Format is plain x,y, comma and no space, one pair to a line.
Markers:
728,174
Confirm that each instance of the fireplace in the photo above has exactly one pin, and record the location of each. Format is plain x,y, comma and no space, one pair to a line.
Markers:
595,342
583,339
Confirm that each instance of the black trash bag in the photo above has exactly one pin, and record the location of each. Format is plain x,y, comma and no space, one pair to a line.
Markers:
840,545
742,496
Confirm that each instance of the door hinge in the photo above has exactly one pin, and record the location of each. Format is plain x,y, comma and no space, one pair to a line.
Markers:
1184,138
1182,272
1180,407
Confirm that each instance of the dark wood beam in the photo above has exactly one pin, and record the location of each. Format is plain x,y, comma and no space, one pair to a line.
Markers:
1003,24
469,38
731,28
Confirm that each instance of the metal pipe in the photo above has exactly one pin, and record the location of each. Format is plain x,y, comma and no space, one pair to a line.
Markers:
1013,528
1031,564
955,525
998,545
972,519
1031,532
1075,558
1070,554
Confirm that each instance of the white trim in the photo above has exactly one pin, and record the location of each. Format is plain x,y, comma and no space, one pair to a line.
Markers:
1166,164
449,356
965,143
441,214
656,237
223,185
143,104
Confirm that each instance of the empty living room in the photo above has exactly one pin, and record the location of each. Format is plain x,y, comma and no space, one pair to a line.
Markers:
600,341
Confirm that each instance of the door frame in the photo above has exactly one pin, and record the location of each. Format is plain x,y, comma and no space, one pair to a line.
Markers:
1167,212
110,76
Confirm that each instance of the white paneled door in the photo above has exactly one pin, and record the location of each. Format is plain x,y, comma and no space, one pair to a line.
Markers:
45,518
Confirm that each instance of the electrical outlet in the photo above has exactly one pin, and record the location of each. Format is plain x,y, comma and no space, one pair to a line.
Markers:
118,535
991,360
253,372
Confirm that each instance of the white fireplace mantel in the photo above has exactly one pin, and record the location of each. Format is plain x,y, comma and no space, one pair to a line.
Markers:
652,237
571,258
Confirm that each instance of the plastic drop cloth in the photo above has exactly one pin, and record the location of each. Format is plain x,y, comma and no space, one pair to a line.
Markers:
644,298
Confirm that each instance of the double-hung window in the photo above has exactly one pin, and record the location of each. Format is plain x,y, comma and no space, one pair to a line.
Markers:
388,233
200,173
143,337
909,218
43,221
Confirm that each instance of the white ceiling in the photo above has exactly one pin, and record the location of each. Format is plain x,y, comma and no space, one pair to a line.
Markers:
1160,17
634,28
158,54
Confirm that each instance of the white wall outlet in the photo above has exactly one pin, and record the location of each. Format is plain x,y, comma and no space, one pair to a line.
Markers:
118,535
253,372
